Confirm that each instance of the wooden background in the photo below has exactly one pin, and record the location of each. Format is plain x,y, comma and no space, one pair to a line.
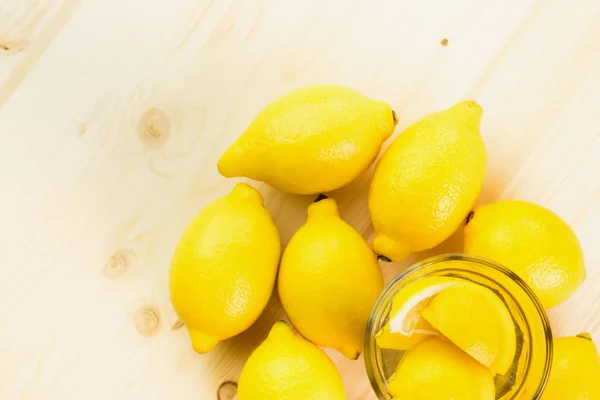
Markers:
113,114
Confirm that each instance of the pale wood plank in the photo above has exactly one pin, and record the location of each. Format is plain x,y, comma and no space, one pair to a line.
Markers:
27,28
93,205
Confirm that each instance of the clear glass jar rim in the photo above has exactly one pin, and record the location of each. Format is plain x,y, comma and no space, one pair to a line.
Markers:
378,382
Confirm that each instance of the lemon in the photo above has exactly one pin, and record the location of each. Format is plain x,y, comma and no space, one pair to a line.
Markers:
533,242
386,339
438,370
575,373
427,181
477,321
287,367
224,267
312,140
328,280
406,328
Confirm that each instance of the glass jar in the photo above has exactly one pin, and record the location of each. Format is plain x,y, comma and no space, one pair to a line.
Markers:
529,372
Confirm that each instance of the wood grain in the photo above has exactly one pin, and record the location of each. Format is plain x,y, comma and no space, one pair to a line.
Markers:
27,28
113,114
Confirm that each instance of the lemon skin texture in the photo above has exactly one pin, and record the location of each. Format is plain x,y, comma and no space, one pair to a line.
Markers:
287,367
224,267
328,281
575,373
533,242
427,181
437,370
312,140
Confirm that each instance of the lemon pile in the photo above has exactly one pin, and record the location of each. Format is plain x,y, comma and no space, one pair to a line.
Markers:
456,335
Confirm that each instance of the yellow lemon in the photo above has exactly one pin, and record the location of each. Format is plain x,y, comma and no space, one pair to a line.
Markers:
476,320
224,267
427,181
386,339
312,140
438,370
406,327
575,373
328,280
533,242
287,367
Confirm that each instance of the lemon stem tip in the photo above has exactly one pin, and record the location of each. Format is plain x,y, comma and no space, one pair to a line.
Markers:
323,208
383,258
320,197
469,217
350,353
245,191
201,342
585,335
281,329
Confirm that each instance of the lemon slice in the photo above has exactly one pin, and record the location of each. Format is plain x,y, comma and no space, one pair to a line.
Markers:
406,328
397,341
477,321
438,370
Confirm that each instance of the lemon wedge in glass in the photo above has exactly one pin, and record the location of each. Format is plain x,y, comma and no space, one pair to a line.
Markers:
475,319
406,328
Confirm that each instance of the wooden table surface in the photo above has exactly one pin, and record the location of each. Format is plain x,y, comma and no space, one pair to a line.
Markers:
113,114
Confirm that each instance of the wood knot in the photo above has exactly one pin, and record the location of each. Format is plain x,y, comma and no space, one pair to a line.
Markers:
154,127
119,263
10,47
146,321
227,391
82,129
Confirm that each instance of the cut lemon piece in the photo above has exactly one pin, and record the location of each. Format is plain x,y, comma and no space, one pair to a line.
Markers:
477,321
397,341
436,369
406,328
